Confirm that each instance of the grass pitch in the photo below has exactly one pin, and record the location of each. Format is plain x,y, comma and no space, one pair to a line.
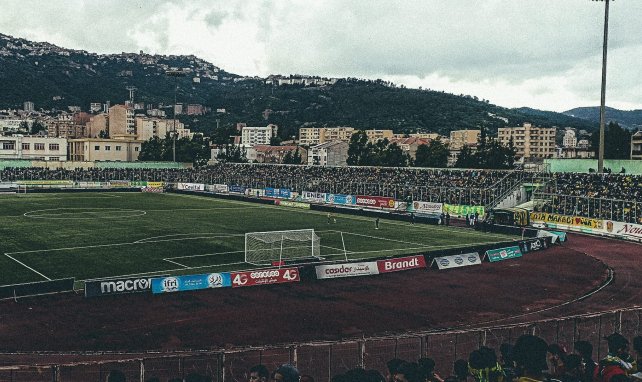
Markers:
99,235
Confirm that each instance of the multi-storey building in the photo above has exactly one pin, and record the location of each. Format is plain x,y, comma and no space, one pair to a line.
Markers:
328,154
28,106
98,149
461,138
309,136
11,125
147,128
96,124
121,120
410,145
529,141
570,140
260,135
376,135
636,145
33,147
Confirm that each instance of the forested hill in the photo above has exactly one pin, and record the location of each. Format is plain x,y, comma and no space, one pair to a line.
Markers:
631,119
54,77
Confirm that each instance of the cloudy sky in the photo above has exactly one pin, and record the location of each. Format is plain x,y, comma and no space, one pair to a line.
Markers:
544,54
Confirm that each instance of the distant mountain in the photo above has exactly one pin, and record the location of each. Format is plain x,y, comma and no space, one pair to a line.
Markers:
55,78
631,119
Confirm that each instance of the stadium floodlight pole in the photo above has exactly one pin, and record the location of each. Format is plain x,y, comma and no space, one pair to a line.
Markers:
600,159
175,74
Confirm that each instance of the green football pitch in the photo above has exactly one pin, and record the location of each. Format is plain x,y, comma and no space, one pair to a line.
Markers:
100,235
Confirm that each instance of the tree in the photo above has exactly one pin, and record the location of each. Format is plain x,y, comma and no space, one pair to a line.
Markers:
617,142
357,149
393,156
36,127
233,154
103,134
466,159
292,158
434,154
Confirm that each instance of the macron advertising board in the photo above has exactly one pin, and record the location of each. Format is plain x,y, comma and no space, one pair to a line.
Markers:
456,261
503,254
265,277
110,287
190,282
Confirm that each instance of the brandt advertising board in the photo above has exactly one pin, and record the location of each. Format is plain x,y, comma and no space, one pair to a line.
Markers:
117,286
265,277
346,270
401,264
375,201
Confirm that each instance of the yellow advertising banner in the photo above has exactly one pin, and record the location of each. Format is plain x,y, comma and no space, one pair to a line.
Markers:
575,221
156,184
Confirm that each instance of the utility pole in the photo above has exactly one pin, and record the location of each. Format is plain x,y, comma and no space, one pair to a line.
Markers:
600,159
174,73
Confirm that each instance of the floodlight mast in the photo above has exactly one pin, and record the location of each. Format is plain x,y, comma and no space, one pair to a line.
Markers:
600,159
175,74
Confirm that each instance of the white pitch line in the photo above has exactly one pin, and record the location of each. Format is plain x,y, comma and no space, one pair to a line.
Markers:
174,262
205,254
167,271
383,238
26,266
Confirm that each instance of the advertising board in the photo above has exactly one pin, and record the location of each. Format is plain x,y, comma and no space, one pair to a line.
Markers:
346,270
314,197
265,277
277,192
375,201
222,188
427,207
565,221
340,199
191,186
119,183
237,189
532,245
456,261
463,209
503,254
401,264
628,231
190,282
110,287
287,203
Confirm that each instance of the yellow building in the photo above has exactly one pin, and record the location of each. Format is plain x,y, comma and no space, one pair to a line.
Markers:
121,120
529,141
461,138
97,149
309,136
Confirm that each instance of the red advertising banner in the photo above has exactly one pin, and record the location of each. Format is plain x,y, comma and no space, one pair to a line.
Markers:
401,264
265,277
375,201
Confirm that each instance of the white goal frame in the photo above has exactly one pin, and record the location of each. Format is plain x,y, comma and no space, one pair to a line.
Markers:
273,242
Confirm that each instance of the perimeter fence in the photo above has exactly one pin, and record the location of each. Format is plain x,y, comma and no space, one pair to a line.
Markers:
323,360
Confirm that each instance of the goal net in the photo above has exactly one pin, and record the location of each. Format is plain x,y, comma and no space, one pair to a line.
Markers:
273,246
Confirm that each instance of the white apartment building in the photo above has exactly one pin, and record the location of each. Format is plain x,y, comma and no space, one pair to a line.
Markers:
147,128
309,136
33,147
98,149
261,135
570,140
12,125
328,154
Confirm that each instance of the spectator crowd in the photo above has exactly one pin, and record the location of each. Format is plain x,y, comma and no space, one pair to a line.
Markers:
602,196
471,187
529,359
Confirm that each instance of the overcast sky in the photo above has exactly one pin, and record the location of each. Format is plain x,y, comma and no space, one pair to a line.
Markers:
544,54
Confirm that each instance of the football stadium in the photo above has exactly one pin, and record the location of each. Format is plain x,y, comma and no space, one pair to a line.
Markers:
171,273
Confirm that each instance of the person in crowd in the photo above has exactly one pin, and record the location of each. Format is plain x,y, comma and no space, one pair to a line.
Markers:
259,373
483,365
392,366
585,350
460,370
529,354
618,361
573,371
427,370
286,373
306,378
408,372
506,361
555,357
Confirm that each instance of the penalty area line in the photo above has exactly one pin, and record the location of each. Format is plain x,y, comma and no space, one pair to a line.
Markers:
26,266
177,263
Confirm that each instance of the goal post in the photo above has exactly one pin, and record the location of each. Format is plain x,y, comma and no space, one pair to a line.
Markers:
271,246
